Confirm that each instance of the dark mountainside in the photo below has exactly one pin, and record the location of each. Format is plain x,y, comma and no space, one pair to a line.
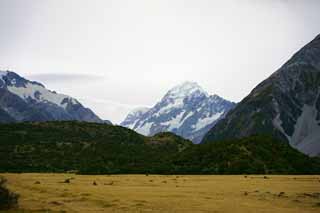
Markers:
91,148
286,105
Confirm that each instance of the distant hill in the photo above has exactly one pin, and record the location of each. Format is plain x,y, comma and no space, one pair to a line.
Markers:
92,148
25,100
186,110
285,105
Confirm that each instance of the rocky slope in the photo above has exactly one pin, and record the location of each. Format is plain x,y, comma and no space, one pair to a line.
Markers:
286,105
24,100
186,110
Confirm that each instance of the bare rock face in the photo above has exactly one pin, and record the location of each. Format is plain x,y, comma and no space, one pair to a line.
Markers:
286,105
24,100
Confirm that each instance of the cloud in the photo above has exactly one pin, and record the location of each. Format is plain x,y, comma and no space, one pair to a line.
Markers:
108,109
61,78
142,48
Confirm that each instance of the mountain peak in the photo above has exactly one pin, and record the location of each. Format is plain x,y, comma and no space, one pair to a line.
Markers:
186,110
27,100
185,89
139,110
11,78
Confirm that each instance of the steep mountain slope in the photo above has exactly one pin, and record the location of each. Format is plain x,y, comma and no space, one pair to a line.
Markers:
186,110
24,100
286,105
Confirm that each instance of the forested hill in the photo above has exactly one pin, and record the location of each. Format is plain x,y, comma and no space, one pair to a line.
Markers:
91,148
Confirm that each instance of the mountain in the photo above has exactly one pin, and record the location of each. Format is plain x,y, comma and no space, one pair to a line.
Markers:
133,117
5,117
186,110
93,148
285,105
24,100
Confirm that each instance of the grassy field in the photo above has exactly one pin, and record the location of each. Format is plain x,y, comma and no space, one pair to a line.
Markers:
155,193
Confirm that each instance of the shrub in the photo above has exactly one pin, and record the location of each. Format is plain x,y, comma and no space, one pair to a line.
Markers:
8,199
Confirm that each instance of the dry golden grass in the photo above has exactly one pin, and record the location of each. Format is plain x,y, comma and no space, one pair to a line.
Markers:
155,193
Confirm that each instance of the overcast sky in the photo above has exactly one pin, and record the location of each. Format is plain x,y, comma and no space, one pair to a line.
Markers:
116,55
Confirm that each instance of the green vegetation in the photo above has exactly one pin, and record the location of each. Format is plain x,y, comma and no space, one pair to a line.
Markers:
90,148
251,155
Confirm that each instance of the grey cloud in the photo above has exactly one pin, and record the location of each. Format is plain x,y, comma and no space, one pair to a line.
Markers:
55,77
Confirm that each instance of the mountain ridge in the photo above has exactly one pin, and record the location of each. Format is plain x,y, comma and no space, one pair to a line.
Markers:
25,100
285,105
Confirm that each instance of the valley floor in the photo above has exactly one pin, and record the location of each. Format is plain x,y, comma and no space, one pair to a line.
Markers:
172,193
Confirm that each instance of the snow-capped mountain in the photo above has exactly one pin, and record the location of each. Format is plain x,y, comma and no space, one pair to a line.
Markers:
133,117
24,100
186,110
285,105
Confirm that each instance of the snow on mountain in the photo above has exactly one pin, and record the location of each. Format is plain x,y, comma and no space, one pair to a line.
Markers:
138,111
33,90
186,110
26,100
3,73
133,116
203,122
185,89
40,94
306,136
